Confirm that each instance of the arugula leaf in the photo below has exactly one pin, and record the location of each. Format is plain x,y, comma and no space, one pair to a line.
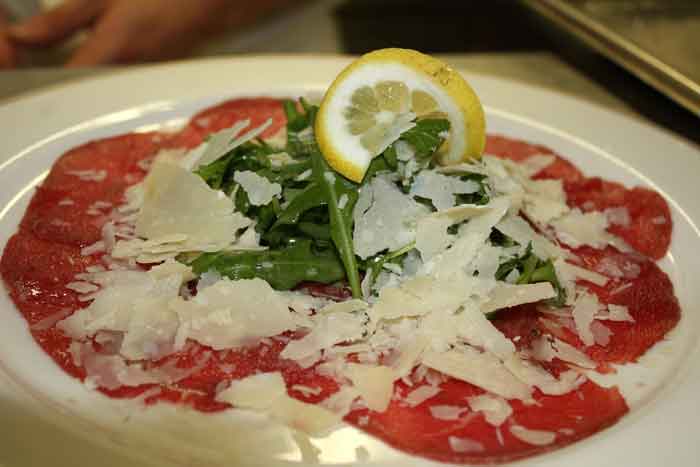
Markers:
299,144
498,238
286,174
308,198
425,136
283,269
213,173
374,264
532,270
514,264
315,231
248,156
335,186
546,273
480,197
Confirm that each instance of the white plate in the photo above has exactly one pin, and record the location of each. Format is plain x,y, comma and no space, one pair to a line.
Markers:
48,417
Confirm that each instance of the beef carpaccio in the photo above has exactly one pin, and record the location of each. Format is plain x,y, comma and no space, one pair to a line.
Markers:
443,419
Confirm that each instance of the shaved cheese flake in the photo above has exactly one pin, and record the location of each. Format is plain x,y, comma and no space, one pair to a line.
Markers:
479,368
618,215
341,401
259,189
546,349
431,231
267,392
534,375
537,163
348,306
496,410
519,230
307,390
441,189
329,329
420,395
465,445
410,350
577,229
542,210
534,437
375,384
179,202
385,218
218,318
471,238
135,303
616,313
226,140
584,311
398,302
601,333
402,123
82,287
432,237
258,391
569,270
447,412
486,262
111,371
507,295
478,331
311,419
89,175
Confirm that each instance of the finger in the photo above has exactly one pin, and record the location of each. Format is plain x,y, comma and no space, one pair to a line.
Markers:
107,43
8,58
56,24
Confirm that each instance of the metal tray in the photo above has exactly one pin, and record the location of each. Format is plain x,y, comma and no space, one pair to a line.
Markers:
657,40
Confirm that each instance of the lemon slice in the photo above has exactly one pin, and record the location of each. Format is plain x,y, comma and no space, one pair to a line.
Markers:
381,94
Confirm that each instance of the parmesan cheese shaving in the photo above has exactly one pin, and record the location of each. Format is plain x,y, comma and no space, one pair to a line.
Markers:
616,313
519,230
534,437
218,318
420,395
546,350
431,231
447,412
479,368
375,384
584,311
577,229
464,445
471,238
507,295
329,329
496,410
179,202
441,189
534,375
259,189
385,218
267,391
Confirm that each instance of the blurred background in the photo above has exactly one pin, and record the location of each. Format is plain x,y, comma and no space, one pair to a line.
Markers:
641,57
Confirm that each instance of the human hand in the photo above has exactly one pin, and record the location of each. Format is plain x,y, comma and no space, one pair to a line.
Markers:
7,51
129,31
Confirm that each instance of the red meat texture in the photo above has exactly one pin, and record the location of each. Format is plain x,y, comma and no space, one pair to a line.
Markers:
44,255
